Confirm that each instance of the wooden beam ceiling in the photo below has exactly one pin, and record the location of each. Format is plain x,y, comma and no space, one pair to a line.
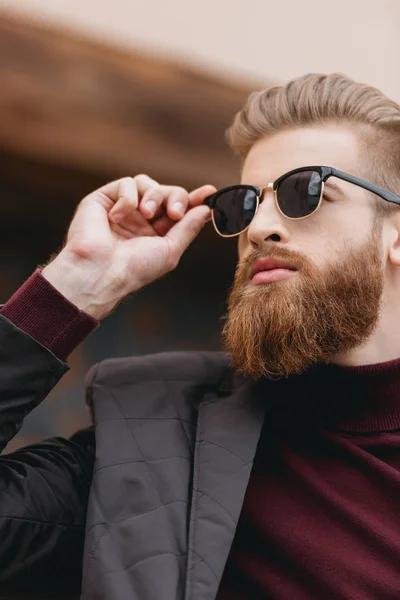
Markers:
98,109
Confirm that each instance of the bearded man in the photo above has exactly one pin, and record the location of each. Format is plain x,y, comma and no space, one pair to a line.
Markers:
270,471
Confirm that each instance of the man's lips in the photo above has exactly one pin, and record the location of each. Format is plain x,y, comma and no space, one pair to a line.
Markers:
267,270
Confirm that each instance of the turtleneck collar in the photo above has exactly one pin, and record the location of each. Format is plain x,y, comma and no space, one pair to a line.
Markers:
354,399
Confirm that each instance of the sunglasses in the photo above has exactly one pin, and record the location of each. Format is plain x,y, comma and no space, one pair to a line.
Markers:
298,194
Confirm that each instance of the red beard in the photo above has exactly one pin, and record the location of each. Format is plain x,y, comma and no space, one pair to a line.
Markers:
278,329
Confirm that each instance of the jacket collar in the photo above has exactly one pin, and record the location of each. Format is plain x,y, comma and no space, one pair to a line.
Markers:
228,431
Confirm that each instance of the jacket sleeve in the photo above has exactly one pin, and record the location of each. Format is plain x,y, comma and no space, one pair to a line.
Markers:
44,487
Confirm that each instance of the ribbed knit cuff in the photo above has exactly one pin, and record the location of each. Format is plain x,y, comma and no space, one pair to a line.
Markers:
47,316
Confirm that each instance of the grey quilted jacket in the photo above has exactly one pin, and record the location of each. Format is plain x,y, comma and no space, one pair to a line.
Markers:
175,437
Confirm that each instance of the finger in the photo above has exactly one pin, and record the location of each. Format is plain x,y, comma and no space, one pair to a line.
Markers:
162,225
182,234
111,189
198,195
130,229
151,202
129,192
127,200
174,199
177,203
134,223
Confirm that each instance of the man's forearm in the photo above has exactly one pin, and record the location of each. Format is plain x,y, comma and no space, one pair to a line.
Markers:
84,285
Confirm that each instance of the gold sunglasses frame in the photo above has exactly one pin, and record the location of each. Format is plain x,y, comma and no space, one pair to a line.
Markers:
269,186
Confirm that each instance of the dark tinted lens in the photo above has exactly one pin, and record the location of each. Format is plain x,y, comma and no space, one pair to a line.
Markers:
234,210
298,195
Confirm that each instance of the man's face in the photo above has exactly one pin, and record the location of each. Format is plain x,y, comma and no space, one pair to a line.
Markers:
331,303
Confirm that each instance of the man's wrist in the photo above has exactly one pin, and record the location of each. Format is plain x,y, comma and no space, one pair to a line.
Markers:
85,285
42,312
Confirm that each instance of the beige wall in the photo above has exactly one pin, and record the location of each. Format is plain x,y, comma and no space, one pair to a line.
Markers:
262,40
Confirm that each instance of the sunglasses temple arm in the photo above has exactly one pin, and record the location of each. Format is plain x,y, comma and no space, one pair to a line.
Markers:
366,185
375,189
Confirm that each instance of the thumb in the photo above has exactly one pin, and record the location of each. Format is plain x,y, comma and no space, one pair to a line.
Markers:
182,234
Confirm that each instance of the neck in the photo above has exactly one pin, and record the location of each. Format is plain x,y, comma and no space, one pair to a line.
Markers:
384,343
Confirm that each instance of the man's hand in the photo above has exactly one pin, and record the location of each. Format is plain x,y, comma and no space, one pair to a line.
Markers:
123,236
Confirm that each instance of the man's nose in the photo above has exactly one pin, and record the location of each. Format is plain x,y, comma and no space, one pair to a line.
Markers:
269,225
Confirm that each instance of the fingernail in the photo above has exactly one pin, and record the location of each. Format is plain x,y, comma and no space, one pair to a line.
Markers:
179,208
151,207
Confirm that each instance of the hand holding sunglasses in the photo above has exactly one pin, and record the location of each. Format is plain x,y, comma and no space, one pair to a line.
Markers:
298,194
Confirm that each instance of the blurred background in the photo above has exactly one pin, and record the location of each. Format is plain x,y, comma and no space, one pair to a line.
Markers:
93,91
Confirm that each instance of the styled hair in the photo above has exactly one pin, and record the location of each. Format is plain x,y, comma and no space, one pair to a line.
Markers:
320,99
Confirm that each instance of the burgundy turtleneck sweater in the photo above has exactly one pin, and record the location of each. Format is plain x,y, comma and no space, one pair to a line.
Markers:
321,516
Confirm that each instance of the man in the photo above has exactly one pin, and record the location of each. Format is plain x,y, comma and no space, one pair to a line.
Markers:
272,472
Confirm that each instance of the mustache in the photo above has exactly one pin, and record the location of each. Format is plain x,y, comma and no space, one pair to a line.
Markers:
300,262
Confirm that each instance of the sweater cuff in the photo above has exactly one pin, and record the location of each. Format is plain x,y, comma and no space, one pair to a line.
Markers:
46,315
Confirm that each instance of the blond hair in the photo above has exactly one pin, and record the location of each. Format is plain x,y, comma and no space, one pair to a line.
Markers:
318,99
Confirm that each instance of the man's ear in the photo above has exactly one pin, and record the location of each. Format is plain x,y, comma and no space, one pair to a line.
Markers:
393,238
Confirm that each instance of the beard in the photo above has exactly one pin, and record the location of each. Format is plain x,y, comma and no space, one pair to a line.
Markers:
283,328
